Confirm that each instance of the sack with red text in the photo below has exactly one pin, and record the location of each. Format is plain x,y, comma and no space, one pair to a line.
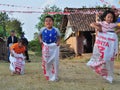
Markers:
50,61
105,49
17,63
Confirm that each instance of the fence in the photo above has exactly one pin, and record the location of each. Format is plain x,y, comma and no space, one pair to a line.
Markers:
3,50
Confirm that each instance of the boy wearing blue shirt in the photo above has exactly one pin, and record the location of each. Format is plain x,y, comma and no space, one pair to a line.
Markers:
49,37
49,34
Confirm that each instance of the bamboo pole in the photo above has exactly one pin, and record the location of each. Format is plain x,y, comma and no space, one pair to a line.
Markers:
118,51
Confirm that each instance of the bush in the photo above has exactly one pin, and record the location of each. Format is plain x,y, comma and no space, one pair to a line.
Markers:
35,46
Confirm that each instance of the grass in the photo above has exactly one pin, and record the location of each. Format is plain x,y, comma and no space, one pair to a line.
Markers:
73,74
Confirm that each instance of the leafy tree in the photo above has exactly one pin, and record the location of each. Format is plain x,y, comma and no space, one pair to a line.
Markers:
1,31
35,46
7,24
84,7
3,20
104,6
14,24
57,17
35,35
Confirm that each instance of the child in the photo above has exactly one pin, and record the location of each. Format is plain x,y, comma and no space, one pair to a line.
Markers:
17,62
105,47
49,36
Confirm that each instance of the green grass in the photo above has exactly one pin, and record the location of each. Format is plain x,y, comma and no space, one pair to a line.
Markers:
73,74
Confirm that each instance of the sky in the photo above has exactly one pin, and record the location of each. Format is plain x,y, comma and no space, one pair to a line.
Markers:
31,19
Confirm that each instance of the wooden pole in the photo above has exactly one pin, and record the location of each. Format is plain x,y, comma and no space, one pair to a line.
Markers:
118,51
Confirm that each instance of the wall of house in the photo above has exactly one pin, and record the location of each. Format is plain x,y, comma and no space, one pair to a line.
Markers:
72,42
76,43
68,24
68,31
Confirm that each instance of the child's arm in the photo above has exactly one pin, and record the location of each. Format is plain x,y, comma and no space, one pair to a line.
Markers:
58,41
118,30
58,37
96,26
11,52
40,39
40,35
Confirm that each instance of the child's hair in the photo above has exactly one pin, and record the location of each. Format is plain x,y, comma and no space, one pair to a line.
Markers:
105,14
21,41
48,16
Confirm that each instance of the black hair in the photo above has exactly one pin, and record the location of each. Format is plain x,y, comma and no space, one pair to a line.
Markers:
21,41
102,17
48,16
12,31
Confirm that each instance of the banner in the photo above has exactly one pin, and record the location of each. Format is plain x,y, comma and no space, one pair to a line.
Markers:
51,13
28,7
54,13
108,3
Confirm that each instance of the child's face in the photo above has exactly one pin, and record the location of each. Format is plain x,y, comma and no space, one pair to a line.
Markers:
20,44
48,23
109,18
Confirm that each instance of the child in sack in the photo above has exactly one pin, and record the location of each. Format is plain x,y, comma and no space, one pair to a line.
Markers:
17,58
49,36
105,47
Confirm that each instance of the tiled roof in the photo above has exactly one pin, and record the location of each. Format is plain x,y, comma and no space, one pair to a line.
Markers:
80,18
81,22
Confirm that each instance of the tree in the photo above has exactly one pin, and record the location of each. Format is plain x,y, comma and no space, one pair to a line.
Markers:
7,24
14,24
57,17
84,7
104,6
35,35
3,20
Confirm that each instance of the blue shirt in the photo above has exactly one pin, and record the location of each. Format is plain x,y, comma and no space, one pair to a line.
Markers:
49,36
118,20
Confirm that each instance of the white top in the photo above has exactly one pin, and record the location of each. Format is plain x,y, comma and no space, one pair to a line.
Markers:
107,26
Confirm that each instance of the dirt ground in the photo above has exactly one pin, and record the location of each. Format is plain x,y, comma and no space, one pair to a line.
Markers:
73,74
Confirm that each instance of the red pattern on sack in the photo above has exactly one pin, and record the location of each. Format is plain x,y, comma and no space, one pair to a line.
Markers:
18,64
53,71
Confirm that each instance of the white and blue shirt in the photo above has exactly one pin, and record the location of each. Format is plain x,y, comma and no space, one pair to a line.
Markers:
49,36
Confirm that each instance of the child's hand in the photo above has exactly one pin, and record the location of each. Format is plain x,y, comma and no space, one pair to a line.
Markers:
25,57
96,26
41,41
58,43
91,24
12,54
117,32
99,28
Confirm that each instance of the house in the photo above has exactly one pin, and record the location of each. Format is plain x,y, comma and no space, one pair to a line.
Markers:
76,28
3,50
